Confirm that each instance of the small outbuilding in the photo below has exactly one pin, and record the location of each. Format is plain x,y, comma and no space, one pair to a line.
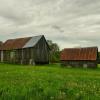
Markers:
28,50
80,57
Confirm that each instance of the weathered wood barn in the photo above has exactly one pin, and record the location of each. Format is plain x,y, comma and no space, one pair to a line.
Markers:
80,57
29,50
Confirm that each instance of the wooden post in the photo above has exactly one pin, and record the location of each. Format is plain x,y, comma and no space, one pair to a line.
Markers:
1,56
22,57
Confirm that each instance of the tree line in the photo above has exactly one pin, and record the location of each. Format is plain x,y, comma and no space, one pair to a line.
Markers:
54,52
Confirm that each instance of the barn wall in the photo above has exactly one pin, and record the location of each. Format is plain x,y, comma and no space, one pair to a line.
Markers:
11,56
0,55
41,52
6,56
18,56
28,56
38,54
89,64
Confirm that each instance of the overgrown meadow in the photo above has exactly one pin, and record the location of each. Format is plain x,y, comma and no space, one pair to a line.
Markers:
49,82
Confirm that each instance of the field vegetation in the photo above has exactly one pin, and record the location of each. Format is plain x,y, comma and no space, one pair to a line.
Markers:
49,82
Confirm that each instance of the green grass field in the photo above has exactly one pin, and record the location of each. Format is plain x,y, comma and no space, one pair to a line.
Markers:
49,82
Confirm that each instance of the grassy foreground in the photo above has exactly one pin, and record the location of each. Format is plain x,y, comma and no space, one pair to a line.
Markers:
49,82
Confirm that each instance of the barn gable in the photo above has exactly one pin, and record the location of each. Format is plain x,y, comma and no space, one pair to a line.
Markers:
33,41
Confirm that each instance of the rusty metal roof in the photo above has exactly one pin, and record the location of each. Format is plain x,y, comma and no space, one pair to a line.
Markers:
20,43
89,53
15,43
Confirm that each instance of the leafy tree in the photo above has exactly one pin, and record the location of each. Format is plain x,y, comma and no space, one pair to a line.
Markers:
55,52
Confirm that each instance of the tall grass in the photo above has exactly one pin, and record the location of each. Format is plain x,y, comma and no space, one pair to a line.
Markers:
49,82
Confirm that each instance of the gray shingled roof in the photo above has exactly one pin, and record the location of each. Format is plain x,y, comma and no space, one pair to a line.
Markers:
32,42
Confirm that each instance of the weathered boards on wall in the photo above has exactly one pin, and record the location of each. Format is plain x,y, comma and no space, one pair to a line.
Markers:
28,50
79,57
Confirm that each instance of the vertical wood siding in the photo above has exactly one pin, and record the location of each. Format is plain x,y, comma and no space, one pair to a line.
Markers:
88,64
38,54
42,52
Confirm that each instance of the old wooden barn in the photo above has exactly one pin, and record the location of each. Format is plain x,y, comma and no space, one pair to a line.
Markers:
29,50
80,57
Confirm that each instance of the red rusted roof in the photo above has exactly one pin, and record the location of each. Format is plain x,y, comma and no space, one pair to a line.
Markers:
15,43
89,53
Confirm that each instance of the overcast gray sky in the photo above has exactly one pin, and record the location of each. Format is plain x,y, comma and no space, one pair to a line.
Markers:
70,23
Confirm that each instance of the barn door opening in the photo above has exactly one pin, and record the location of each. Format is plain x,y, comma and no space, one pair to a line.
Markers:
31,62
1,56
12,55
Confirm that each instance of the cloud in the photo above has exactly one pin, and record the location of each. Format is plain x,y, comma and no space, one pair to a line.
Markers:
70,23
